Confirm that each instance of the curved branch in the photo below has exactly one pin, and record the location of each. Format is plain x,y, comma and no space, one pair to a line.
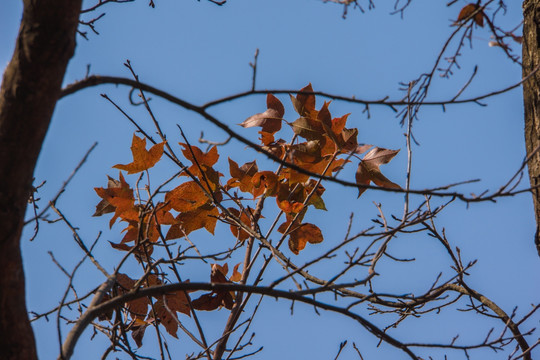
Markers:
94,310
500,313
201,110
95,80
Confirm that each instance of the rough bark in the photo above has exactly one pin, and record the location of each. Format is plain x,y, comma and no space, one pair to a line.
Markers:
531,98
30,89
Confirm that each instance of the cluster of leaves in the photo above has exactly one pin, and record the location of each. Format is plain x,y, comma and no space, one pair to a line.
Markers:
145,311
198,202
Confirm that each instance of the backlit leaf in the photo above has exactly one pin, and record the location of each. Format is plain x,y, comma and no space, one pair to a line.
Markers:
236,275
142,159
203,217
120,197
186,197
196,155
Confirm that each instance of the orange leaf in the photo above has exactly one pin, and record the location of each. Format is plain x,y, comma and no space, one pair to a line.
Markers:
338,124
142,159
239,233
303,234
186,197
266,138
325,119
118,196
236,275
203,217
207,159
241,176
265,181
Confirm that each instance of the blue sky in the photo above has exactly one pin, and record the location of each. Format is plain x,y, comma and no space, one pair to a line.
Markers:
200,52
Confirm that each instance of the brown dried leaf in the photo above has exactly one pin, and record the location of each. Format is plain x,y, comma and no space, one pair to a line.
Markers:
368,169
308,128
304,104
468,10
270,120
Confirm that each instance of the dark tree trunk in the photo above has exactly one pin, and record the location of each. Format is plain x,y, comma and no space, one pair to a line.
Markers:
30,88
531,97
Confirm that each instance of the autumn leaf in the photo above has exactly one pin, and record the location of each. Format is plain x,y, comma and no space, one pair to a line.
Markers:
139,230
142,159
186,197
179,301
105,207
236,275
241,176
137,328
338,124
309,152
316,199
325,119
368,169
238,232
300,235
196,155
270,120
266,138
265,182
121,246
118,197
202,165
138,307
304,104
166,318
308,128
216,299
468,10
186,222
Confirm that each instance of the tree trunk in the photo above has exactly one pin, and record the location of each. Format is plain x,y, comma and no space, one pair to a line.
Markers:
531,98
30,88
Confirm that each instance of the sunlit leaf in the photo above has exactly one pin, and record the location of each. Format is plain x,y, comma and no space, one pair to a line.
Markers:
186,197
186,222
142,159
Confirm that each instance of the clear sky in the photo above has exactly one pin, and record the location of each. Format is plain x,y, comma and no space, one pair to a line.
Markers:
199,52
